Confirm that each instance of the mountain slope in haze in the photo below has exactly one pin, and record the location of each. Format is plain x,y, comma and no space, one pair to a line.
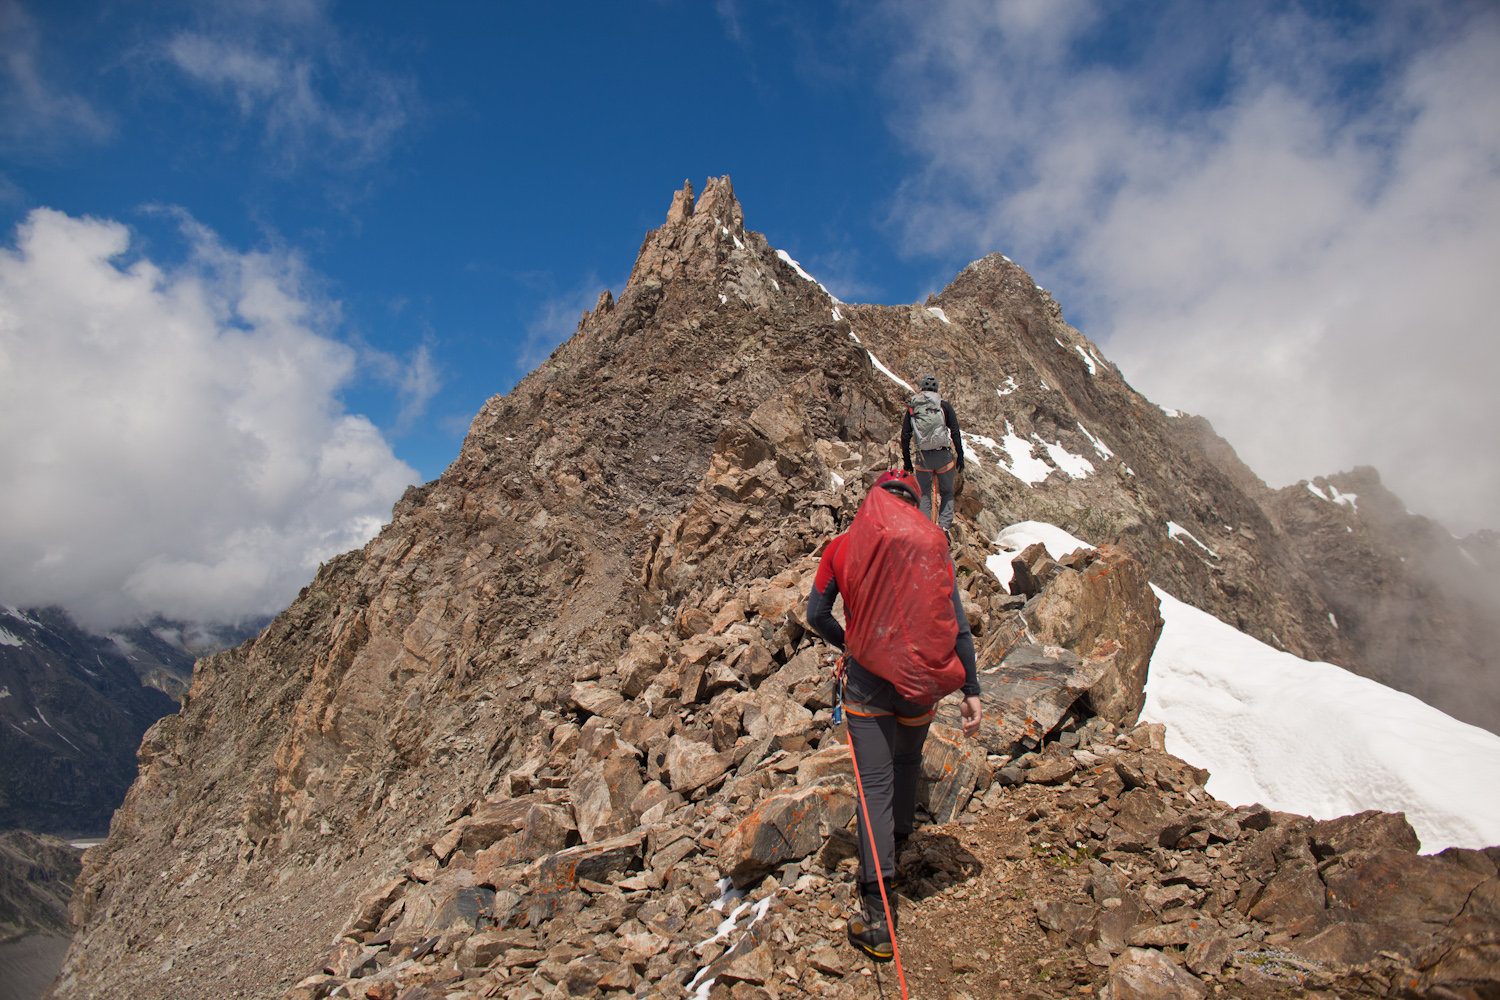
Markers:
75,705
36,880
74,710
701,435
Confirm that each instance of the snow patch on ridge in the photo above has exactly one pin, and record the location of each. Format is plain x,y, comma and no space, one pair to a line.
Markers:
887,372
1009,386
8,639
1313,738
987,442
1013,539
936,311
1177,533
1334,496
1099,445
1023,465
1093,368
1071,465
798,268
1169,412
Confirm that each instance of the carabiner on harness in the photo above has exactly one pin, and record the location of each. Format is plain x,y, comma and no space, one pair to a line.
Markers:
838,689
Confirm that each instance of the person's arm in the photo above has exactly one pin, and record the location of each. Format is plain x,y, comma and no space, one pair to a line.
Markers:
906,441
950,417
825,591
963,646
972,710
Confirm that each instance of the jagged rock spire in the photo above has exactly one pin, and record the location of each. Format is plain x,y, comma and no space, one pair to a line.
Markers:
682,205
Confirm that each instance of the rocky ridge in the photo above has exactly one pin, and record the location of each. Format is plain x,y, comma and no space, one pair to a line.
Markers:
585,639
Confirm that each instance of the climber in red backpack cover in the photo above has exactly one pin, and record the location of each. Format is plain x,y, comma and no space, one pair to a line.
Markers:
905,594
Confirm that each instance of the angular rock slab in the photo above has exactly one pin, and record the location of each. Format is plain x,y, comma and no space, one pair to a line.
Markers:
783,828
1024,695
1395,886
1106,613
1146,974
602,795
426,905
561,871
690,764
950,768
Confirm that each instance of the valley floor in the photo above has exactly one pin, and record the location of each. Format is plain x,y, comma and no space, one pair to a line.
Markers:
29,964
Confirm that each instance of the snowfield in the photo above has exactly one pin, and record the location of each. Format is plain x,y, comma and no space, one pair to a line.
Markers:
1303,736
1313,738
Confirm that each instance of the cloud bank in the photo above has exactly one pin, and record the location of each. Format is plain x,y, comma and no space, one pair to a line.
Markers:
172,441
1284,220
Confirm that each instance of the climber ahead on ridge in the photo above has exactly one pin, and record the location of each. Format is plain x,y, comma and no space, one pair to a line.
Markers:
930,418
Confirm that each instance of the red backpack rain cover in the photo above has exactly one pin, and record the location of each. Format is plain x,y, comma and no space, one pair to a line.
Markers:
899,599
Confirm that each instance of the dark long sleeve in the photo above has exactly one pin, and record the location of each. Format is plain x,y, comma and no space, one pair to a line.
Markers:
950,417
964,645
820,614
906,441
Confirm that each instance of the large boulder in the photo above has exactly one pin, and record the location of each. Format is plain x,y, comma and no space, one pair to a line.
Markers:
641,662
691,764
784,828
602,795
951,767
561,871
1105,613
1147,974
1025,695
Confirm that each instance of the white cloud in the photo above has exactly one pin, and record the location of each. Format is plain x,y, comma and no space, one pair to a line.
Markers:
286,67
172,441
1288,224
416,380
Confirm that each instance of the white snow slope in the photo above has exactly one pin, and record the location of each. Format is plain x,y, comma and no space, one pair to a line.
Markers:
1303,736
1313,738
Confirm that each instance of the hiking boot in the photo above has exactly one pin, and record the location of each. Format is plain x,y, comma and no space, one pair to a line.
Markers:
867,928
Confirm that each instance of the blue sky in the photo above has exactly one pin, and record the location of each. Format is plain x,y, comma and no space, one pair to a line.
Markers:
291,246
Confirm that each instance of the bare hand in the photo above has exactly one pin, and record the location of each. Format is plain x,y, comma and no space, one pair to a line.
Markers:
972,712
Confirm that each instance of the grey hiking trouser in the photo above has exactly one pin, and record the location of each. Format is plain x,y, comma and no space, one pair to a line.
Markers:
888,732
937,459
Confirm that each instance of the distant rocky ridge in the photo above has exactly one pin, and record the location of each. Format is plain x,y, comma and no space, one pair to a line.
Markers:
36,882
1421,606
573,670
74,706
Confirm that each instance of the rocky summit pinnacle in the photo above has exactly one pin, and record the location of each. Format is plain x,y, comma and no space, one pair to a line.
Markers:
512,745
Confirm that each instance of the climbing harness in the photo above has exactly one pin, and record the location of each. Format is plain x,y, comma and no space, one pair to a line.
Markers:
933,503
838,715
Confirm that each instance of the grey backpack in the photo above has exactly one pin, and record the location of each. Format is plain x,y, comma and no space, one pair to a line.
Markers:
927,423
